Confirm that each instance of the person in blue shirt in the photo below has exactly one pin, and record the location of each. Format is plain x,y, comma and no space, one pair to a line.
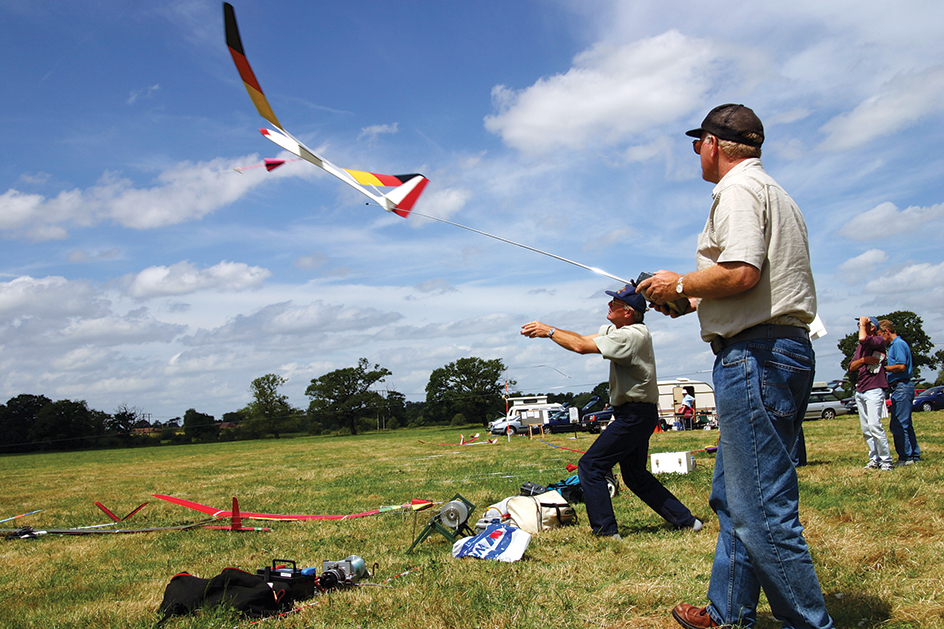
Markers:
898,371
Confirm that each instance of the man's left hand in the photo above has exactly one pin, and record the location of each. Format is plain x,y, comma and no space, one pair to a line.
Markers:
660,288
535,330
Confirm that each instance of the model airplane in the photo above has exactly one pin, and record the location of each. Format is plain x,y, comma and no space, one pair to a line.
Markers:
408,188
413,505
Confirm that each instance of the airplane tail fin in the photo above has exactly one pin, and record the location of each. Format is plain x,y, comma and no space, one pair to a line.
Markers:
402,198
236,521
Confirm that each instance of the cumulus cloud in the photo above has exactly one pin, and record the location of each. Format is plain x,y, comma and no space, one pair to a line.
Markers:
442,203
49,298
286,322
902,102
611,93
921,280
186,192
184,278
862,266
885,220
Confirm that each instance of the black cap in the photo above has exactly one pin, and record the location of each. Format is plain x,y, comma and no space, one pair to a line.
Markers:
733,123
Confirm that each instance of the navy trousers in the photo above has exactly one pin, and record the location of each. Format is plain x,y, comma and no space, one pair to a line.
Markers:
626,442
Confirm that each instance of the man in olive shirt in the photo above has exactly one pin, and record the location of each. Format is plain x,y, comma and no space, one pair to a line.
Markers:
634,394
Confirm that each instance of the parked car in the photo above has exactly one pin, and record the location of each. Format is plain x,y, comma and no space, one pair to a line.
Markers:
929,400
851,406
500,425
560,421
826,405
602,418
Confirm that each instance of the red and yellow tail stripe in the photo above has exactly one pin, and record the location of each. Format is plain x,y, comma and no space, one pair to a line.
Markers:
374,179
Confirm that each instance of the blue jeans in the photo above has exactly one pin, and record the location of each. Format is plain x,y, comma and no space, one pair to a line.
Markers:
762,388
870,404
626,441
906,443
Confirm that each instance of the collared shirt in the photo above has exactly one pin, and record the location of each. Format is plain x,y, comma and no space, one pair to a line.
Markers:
754,220
899,354
632,363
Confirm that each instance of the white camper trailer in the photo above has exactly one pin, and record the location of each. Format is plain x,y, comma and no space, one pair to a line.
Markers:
671,393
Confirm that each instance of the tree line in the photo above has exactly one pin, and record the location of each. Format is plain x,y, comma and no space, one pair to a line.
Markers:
351,400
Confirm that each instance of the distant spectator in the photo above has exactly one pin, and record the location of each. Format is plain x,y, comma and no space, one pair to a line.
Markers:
870,392
898,372
687,409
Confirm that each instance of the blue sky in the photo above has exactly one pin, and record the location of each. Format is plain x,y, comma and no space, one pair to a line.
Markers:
139,268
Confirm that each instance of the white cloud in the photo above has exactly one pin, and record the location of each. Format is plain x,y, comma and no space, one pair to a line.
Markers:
919,284
885,220
373,131
610,94
49,298
901,103
184,278
862,266
188,191
146,92
441,203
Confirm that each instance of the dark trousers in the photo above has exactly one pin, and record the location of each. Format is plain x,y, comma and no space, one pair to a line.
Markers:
626,442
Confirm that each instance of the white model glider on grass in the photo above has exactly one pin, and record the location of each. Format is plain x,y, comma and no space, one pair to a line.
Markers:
408,188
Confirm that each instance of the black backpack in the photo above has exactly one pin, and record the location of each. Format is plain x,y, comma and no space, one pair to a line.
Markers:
245,592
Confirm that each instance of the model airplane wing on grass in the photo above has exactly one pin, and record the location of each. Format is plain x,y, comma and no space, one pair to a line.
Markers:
414,505
407,188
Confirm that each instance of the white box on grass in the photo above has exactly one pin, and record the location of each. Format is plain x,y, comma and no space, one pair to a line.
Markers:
674,462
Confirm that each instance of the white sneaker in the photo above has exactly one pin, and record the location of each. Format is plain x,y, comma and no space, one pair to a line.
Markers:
886,467
697,526
872,465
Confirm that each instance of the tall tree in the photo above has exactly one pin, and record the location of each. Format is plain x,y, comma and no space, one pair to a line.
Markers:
66,425
16,421
471,386
908,326
342,397
269,411
200,426
939,358
123,421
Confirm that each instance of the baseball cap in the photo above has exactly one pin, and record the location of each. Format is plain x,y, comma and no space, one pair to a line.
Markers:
873,321
630,296
731,122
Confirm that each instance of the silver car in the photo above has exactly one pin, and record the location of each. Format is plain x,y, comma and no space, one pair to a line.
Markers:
826,405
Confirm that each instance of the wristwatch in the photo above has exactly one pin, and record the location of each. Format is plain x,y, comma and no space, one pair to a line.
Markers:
678,285
550,333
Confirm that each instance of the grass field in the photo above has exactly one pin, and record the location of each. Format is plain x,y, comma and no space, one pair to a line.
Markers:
877,537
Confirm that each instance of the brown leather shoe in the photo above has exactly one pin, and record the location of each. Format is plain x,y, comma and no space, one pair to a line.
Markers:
692,617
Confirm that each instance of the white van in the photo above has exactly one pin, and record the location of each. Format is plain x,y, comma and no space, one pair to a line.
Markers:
532,410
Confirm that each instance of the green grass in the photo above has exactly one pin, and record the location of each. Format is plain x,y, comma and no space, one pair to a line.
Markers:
877,538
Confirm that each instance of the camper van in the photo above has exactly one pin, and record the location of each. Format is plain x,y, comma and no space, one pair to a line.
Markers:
671,393
531,410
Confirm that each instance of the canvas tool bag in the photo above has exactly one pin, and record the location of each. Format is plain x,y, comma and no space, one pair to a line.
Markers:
539,513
